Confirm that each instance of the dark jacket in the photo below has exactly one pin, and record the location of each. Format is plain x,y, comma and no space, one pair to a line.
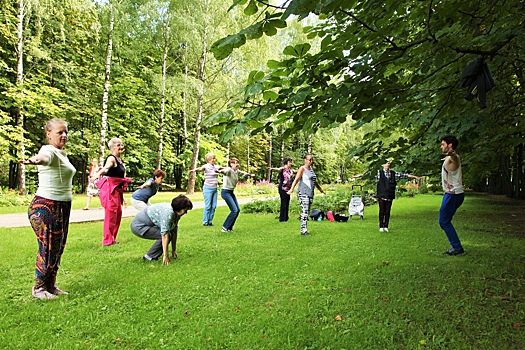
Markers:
386,188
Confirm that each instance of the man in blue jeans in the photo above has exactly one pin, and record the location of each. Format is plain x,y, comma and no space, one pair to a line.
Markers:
452,181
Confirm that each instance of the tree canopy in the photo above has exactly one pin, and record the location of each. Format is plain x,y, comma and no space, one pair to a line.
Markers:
397,64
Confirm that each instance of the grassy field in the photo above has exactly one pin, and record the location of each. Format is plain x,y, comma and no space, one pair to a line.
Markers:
264,286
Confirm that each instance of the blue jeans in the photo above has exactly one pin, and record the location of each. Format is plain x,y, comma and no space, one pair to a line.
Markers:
210,203
449,205
233,204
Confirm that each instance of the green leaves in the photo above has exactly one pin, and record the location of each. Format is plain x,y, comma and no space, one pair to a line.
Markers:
299,50
222,48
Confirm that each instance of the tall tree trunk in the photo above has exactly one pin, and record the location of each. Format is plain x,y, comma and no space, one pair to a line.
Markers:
248,156
105,97
184,120
269,165
162,100
282,144
21,175
201,76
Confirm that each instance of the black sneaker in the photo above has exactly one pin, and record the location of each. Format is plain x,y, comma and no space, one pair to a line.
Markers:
305,234
454,252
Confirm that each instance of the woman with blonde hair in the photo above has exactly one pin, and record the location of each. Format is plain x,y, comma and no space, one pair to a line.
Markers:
209,189
50,209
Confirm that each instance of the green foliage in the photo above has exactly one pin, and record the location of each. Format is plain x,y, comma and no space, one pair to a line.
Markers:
403,79
11,198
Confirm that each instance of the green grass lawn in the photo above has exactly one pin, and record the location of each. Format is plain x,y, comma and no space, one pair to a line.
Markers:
264,286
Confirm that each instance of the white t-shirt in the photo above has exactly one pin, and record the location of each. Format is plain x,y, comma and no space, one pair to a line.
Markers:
55,179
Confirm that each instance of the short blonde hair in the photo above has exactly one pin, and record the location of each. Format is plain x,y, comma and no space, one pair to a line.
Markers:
209,156
52,122
113,141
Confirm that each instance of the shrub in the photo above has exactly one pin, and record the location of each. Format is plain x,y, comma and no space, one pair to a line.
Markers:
10,198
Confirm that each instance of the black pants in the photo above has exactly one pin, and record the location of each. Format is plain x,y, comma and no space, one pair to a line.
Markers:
384,212
285,205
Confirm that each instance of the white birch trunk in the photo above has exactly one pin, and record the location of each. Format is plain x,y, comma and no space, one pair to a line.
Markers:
201,76
21,177
162,101
105,96
269,172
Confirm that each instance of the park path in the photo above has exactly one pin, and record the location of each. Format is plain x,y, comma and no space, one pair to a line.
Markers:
94,214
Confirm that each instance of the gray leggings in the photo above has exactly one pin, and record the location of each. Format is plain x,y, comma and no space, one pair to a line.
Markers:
143,227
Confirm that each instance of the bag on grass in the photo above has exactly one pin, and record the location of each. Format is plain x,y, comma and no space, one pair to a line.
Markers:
317,215
340,218
330,216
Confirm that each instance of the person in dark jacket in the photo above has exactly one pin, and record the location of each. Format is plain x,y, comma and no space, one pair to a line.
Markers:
386,191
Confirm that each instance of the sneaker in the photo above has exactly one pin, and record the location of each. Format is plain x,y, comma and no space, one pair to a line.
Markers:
454,252
57,291
224,229
41,293
210,224
385,229
146,257
305,234
381,230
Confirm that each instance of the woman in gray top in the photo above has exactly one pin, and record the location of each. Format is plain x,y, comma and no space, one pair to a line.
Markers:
229,181
305,181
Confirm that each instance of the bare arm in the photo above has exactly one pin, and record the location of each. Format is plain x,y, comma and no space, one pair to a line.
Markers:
110,163
319,187
165,243
42,158
296,180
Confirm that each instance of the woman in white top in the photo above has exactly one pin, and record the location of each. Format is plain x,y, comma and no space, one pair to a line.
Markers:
50,209
306,180
209,190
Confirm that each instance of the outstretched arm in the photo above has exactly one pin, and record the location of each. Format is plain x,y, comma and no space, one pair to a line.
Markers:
42,158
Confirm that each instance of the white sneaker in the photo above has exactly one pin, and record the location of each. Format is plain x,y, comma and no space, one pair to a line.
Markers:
386,229
41,293
381,230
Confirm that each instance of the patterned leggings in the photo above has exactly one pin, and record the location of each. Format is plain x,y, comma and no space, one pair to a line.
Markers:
305,202
50,221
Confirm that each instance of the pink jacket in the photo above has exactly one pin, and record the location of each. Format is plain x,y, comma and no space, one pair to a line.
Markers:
111,191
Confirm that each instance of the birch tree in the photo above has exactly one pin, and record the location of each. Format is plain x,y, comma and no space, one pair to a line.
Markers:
105,96
21,178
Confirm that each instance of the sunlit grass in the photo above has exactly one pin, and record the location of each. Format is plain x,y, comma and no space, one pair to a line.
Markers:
348,286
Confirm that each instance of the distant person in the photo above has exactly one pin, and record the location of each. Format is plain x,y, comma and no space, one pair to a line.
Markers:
160,222
209,189
306,181
112,187
140,198
386,191
452,181
92,189
229,182
286,178
50,209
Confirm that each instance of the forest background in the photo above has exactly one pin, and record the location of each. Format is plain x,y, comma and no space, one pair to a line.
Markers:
352,82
